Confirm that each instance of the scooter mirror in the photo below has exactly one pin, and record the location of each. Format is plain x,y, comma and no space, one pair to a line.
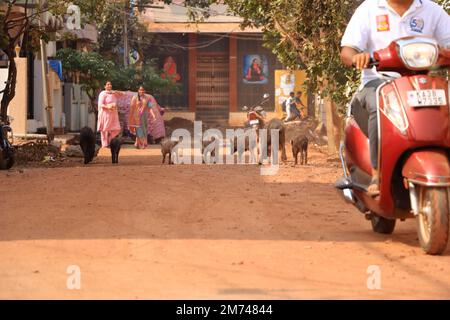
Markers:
266,95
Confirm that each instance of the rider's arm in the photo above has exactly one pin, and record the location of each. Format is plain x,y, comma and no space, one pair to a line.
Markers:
351,57
355,40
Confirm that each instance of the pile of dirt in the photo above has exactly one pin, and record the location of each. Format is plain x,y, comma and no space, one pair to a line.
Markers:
37,151
178,123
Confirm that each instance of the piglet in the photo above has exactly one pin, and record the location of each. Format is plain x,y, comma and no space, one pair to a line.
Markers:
167,146
300,144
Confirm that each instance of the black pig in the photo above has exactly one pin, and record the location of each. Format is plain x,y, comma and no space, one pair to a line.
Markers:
115,145
87,144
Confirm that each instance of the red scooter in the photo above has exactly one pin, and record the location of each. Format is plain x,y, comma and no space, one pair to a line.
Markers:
413,142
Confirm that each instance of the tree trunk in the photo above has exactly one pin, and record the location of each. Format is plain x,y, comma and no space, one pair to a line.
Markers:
329,106
10,89
337,126
311,105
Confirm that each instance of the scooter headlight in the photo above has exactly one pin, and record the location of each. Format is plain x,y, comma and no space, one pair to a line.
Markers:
419,55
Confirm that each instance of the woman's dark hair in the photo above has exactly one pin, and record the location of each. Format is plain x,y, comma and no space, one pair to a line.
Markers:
139,88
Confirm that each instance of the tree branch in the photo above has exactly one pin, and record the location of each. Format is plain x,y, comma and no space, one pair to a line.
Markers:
282,30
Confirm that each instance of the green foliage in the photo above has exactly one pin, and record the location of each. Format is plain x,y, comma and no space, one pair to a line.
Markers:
148,76
304,34
110,28
92,70
445,4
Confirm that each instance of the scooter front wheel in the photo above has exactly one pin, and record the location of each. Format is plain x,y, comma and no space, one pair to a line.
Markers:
382,225
433,219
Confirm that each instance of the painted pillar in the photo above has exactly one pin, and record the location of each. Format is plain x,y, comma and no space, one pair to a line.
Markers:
233,73
192,70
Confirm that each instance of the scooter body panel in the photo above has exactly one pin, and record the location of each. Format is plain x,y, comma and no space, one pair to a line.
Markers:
424,128
429,167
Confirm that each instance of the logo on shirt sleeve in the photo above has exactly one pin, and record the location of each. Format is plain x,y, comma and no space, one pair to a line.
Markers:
383,23
417,24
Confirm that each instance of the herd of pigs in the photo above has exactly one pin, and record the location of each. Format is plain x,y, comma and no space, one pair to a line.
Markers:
299,143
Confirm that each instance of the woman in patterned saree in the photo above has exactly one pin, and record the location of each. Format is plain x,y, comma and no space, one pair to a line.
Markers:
156,127
138,118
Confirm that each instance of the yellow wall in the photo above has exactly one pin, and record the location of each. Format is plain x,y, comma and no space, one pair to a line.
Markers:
283,88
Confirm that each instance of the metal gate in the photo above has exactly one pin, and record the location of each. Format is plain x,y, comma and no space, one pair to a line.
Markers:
212,96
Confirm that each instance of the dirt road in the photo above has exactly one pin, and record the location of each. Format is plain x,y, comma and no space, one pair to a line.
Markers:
143,230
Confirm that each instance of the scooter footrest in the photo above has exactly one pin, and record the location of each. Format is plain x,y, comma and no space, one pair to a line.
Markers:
343,183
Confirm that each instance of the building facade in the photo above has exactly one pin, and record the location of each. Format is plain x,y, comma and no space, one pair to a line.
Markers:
219,67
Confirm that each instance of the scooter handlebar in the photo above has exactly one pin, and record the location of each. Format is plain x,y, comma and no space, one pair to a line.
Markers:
372,63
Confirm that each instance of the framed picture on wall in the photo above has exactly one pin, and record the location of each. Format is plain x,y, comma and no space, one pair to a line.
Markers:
173,67
256,69
170,70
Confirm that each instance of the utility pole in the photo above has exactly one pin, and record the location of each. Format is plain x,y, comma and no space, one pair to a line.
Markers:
45,84
125,35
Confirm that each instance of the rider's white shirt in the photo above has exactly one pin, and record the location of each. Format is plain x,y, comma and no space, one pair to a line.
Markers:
374,25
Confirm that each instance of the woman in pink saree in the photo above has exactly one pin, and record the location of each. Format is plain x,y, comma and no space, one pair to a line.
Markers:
138,118
108,118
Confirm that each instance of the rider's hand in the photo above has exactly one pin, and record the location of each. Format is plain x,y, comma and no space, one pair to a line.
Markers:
361,60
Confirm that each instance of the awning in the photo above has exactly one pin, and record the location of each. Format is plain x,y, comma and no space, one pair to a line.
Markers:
174,18
56,66
212,27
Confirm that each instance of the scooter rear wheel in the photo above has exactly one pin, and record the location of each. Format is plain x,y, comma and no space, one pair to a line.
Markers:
382,225
433,219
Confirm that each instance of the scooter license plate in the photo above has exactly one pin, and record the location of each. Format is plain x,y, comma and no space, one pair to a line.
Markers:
254,122
427,98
